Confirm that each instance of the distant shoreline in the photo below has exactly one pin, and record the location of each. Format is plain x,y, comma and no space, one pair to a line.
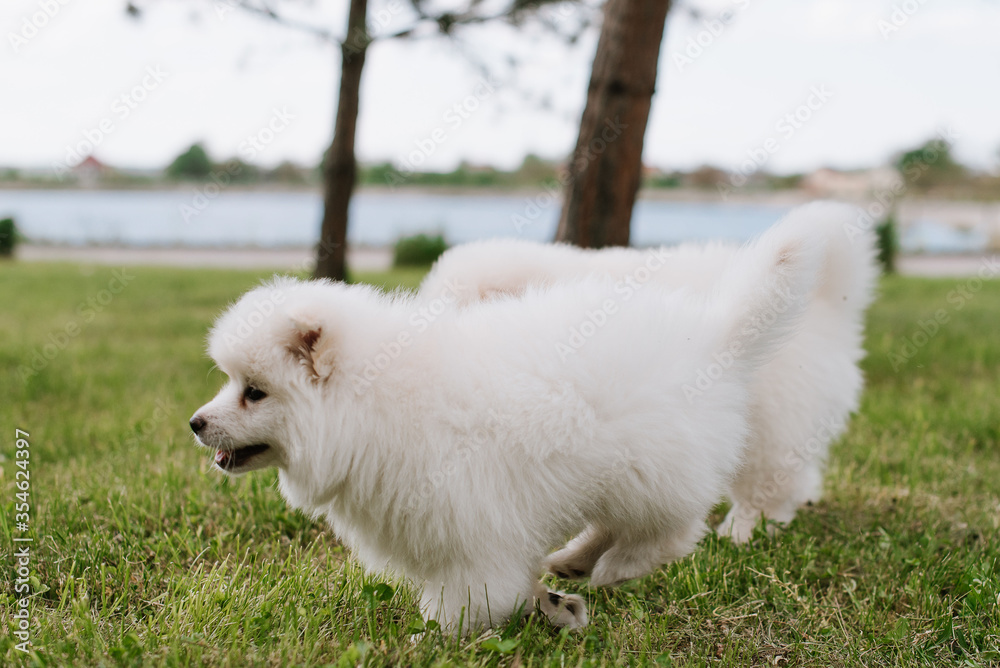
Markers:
786,197
934,224
680,194
365,258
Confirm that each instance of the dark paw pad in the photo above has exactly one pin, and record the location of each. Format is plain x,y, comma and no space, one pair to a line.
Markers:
578,573
554,598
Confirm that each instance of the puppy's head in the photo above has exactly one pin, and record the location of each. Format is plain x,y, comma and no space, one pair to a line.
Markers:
278,354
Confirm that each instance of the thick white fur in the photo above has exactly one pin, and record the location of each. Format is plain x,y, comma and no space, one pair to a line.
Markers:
801,399
459,449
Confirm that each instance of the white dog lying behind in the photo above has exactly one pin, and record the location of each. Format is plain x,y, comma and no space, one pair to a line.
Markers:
801,399
459,450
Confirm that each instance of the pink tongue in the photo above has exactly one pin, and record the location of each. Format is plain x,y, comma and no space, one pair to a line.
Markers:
221,456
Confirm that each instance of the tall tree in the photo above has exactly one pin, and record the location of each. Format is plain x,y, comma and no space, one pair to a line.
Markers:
605,170
340,165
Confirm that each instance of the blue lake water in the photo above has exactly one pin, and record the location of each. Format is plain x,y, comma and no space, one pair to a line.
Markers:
277,219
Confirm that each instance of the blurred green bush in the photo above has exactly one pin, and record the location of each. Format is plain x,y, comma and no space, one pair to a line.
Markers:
9,237
887,235
419,250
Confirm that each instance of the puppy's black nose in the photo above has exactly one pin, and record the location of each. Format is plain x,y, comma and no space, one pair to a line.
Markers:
197,423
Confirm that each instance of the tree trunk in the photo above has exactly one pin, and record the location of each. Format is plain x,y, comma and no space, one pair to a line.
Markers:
605,171
340,168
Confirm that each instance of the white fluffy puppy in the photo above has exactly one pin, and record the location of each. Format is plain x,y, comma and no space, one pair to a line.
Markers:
801,399
459,450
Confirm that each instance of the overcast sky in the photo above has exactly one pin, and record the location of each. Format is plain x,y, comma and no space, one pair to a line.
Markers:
879,79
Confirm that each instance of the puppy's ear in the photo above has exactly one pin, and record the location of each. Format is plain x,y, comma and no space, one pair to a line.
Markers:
312,345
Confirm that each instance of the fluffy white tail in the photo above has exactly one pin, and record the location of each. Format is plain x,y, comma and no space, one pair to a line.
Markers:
848,272
766,289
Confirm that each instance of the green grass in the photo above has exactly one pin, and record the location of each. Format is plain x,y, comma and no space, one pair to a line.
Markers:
145,555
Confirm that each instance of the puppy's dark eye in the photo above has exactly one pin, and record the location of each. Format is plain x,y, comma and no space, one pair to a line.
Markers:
253,394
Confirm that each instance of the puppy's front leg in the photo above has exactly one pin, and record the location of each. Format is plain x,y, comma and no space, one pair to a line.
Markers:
560,608
577,559
463,604
633,556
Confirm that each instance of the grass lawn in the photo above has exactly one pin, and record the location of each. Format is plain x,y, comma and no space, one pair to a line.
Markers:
143,554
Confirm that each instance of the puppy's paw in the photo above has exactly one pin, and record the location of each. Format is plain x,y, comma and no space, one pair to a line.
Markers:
740,525
563,565
608,573
564,610
577,559
626,562
737,529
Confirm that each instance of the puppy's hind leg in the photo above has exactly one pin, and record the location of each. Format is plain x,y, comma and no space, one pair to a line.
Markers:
638,555
577,559
560,608
744,517
774,493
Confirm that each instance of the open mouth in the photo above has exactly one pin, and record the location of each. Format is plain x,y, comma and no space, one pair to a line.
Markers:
227,460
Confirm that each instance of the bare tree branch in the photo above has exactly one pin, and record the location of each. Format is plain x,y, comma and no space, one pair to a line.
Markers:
440,23
265,11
